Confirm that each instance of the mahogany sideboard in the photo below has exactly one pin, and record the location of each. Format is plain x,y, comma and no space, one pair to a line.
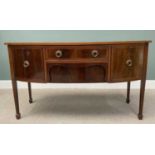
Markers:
78,62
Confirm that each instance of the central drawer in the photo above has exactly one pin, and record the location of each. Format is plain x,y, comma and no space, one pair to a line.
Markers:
77,52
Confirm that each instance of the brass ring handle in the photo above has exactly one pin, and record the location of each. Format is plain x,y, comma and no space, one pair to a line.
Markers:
26,64
129,63
58,53
94,53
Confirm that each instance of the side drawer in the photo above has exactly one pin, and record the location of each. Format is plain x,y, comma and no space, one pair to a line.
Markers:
126,62
28,63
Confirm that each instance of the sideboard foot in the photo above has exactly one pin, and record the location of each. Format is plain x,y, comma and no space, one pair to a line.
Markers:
127,100
140,116
18,116
30,101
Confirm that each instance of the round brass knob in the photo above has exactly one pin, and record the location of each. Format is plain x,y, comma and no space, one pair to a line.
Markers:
129,63
94,53
58,53
26,64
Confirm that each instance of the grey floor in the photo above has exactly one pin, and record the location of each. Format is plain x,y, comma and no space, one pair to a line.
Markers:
77,106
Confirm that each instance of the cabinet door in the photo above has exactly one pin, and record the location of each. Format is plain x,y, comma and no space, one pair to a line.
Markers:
75,73
28,64
126,62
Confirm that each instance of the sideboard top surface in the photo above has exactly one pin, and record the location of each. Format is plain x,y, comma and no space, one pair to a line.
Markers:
76,43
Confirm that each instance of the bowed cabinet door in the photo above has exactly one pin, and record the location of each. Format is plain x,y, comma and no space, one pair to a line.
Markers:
28,64
126,62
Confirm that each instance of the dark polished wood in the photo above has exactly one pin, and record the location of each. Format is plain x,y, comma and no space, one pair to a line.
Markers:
128,92
77,73
126,62
79,62
28,62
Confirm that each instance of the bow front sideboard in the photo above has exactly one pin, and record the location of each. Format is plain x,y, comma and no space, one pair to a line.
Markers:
78,62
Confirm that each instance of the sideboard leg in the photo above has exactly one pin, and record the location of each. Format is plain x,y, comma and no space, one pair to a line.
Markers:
128,92
15,94
141,100
30,93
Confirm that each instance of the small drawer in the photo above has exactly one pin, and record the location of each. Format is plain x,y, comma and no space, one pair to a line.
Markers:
59,53
93,52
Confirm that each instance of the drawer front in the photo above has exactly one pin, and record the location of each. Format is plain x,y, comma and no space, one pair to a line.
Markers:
126,62
77,52
93,52
76,73
60,52
28,64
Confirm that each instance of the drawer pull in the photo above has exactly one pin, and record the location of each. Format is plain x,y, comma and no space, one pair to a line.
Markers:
58,53
26,64
129,63
94,53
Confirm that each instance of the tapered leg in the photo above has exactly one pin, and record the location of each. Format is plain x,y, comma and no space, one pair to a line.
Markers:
141,100
30,93
128,92
15,93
